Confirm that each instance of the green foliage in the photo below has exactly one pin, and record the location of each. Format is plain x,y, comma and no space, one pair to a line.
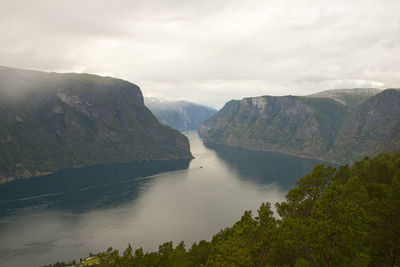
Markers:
344,217
300,200
198,254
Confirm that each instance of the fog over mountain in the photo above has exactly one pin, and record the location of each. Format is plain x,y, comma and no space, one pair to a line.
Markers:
180,115
55,121
209,51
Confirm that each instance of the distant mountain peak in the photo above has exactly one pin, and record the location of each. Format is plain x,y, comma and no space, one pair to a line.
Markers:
181,115
349,97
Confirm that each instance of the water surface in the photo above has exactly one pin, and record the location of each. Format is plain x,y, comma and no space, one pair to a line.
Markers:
67,215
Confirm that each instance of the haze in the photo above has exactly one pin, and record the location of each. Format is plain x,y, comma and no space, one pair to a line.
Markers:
209,51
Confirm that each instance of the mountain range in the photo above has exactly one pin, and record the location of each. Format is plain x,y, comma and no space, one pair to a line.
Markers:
53,121
180,115
335,125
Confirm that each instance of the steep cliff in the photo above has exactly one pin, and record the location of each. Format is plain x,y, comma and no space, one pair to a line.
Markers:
314,127
52,121
288,124
180,115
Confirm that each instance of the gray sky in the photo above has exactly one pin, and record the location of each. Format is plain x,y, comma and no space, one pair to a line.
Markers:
209,51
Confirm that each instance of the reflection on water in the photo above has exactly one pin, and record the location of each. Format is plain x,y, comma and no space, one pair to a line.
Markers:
73,213
264,167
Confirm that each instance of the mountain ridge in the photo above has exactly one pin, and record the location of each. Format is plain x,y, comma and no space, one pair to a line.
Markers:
296,125
349,97
54,121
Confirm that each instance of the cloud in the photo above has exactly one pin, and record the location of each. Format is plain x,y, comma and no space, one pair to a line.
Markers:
209,51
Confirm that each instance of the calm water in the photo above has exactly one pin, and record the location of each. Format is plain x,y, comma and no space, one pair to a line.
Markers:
70,214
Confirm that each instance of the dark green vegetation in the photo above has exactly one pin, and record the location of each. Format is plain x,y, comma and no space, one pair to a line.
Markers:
180,115
51,121
337,129
344,217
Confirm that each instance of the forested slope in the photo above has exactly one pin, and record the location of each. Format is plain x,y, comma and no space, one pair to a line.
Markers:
53,121
336,125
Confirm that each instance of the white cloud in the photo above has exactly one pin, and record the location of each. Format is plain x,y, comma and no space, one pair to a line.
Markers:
210,51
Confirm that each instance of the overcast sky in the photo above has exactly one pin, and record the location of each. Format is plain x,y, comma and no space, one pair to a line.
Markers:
209,51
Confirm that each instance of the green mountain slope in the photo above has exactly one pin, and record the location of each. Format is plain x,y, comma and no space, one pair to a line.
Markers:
51,121
314,127
287,124
223,115
372,128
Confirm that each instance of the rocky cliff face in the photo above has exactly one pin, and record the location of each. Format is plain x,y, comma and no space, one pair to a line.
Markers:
180,115
51,121
286,124
314,127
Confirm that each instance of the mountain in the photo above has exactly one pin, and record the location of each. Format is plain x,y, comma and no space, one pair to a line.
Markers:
314,127
349,97
288,124
52,121
180,115
372,128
